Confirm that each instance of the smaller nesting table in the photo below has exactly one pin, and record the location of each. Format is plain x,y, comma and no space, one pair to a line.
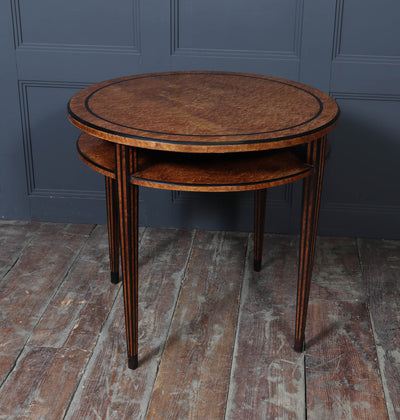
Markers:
203,131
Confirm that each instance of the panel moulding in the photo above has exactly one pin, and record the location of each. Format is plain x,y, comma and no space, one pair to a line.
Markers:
361,208
365,96
60,193
294,54
357,207
26,133
20,44
337,55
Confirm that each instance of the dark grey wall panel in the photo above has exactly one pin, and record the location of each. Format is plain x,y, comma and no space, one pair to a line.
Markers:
76,66
366,51
316,43
76,41
220,210
257,36
359,76
364,169
13,193
64,208
52,49
50,141
366,32
361,195
225,26
60,187
76,23
363,173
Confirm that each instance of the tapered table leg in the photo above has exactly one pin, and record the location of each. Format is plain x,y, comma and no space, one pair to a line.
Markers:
113,227
260,197
312,188
126,163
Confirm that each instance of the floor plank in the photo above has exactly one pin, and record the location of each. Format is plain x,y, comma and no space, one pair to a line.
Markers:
336,273
342,374
215,337
109,389
381,268
51,363
14,237
343,380
41,383
267,380
27,290
193,379
81,305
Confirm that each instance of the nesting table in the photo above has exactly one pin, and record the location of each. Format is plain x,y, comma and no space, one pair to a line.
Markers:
203,131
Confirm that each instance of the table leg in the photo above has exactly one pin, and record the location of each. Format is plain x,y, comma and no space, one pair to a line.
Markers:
312,187
260,197
113,227
126,163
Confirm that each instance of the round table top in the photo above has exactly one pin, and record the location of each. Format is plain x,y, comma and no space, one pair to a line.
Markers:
203,111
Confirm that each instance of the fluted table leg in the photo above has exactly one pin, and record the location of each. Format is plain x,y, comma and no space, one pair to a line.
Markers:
113,227
126,162
312,187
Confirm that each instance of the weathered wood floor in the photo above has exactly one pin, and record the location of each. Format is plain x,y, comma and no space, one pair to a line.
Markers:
215,337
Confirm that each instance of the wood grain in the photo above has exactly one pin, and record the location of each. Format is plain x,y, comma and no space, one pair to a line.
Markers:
195,172
342,372
109,390
267,379
42,384
343,376
128,216
229,172
211,112
337,275
113,228
14,236
27,289
193,378
260,197
380,261
81,305
312,189
75,368
98,154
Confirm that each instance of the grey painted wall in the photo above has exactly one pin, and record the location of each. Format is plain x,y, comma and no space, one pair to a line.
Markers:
51,49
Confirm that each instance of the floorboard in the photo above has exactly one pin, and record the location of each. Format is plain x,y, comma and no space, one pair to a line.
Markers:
215,337
267,379
108,389
380,261
27,289
342,374
193,379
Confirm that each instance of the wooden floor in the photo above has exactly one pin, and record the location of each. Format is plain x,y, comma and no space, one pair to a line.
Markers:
215,337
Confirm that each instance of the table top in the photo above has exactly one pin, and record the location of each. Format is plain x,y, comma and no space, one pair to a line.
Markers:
203,112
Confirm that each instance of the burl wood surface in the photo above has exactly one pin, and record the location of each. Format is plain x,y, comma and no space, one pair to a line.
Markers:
194,172
203,112
63,350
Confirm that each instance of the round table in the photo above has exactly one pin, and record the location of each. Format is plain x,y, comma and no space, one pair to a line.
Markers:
204,131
